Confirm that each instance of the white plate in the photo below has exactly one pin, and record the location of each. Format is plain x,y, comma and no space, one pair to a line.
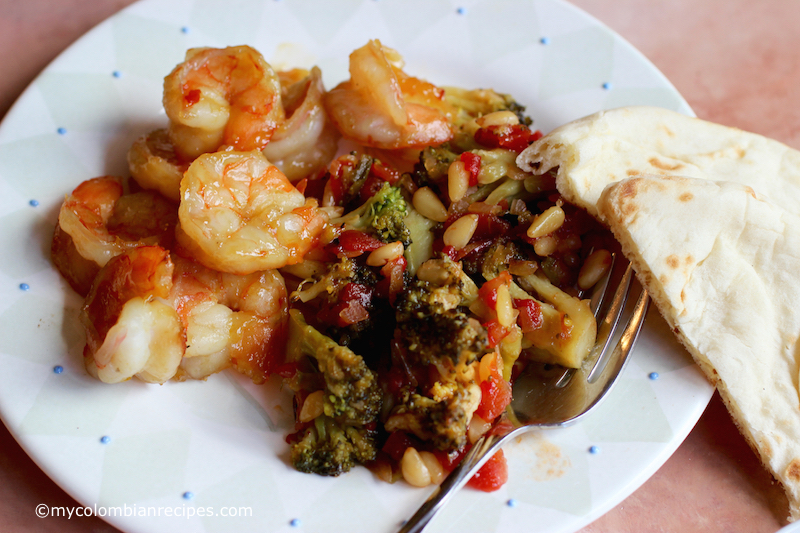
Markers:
223,440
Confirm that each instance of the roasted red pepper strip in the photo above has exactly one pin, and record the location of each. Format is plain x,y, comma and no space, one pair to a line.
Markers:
488,291
495,332
357,241
516,138
530,315
492,475
495,393
385,173
472,162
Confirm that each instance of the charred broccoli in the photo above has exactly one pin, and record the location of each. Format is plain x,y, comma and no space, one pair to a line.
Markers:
435,331
441,420
352,392
344,434
383,214
329,448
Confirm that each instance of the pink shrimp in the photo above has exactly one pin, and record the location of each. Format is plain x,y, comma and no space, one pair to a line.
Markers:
97,222
383,107
222,97
240,214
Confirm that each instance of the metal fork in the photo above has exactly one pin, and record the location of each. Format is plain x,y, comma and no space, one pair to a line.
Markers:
547,396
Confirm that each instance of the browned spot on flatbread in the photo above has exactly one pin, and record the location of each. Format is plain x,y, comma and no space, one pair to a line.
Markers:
793,470
766,450
627,190
663,279
689,259
663,165
685,197
673,261
750,191
633,173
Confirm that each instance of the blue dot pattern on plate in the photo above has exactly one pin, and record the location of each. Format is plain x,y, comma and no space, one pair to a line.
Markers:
594,450
24,287
185,29
653,375
34,203
295,522
461,11
117,74
61,131
544,40
188,495
607,86
58,369
512,502
105,439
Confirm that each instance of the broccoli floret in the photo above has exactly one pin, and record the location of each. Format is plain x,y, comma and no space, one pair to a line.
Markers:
432,333
333,280
381,215
442,421
433,164
434,330
352,395
344,435
329,448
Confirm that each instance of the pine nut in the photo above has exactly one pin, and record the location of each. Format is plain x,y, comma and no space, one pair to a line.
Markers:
382,471
545,246
433,272
313,406
506,314
498,118
594,268
457,180
386,253
428,204
547,222
477,427
460,232
414,469
435,469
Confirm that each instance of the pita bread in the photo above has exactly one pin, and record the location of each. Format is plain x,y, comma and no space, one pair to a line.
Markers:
655,141
722,264
710,218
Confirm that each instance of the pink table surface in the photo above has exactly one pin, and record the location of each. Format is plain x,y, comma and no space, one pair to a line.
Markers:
737,62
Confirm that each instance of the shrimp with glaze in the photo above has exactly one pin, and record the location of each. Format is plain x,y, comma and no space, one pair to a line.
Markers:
222,97
130,329
98,221
307,141
240,214
383,107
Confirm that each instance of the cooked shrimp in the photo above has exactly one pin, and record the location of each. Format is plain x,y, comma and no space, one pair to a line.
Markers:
157,317
130,329
229,320
155,165
381,106
222,96
97,222
240,214
305,143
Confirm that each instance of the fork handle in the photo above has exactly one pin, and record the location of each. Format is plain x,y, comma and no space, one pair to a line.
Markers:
480,452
